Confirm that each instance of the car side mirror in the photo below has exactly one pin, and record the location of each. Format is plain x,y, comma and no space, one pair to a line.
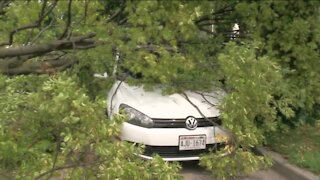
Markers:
102,76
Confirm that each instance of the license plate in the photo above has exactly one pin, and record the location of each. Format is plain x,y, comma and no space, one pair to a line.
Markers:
192,142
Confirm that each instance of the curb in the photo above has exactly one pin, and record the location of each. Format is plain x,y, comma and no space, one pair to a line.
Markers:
291,171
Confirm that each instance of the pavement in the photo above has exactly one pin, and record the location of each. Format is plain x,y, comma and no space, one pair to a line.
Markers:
281,170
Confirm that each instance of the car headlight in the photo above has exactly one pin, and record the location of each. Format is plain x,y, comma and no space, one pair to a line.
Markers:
136,117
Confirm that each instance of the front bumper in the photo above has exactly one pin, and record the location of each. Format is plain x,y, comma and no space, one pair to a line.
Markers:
193,158
172,153
165,141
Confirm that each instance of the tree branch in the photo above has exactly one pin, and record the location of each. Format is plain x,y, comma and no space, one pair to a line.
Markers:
70,166
59,168
36,24
205,99
116,14
153,48
15,67
86,5
68,21
42,31
209,31
4,4
55,158
233,139
226,9
80,42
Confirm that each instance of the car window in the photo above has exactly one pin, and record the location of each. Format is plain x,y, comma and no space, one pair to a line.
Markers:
123,73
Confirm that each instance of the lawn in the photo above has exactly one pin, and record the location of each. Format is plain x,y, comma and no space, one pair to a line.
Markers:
301,146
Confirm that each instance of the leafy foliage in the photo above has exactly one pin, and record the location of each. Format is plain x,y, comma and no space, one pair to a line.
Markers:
55,126
238,163
289,35
248,110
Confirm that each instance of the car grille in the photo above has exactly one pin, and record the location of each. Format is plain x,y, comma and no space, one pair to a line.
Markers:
173,151
180,123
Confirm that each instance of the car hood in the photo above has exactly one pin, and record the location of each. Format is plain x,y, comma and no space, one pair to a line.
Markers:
175,106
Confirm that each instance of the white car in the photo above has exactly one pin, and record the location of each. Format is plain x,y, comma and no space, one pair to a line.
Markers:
172,126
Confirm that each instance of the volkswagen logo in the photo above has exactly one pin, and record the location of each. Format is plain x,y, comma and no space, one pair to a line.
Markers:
191,123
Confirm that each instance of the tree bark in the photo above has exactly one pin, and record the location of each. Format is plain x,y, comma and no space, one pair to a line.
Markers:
17,67
80,42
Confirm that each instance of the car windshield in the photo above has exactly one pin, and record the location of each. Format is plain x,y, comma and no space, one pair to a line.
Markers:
124,73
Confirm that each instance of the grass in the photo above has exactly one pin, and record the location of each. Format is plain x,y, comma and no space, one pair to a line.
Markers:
301,146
